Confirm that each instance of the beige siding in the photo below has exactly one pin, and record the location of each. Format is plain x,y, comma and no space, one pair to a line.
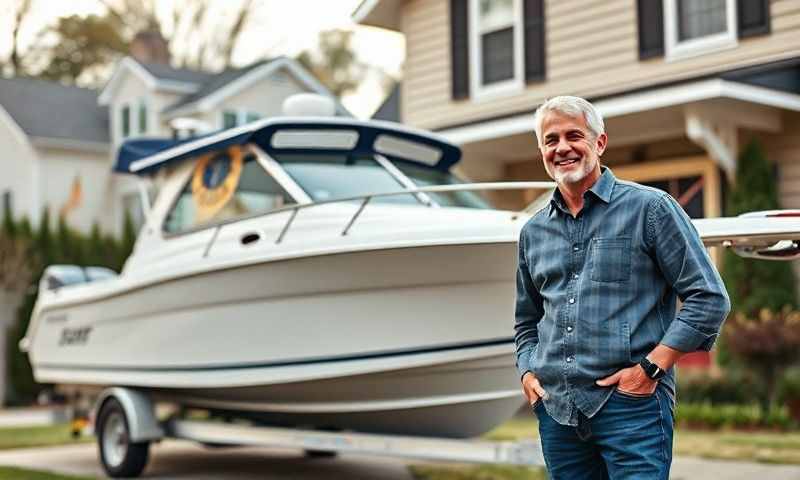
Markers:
592,50
19,164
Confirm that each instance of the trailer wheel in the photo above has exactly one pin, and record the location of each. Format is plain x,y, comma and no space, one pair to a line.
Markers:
120,457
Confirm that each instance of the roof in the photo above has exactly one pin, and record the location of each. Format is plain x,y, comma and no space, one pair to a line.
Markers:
390,108
378,13
214,82
52,110
166,72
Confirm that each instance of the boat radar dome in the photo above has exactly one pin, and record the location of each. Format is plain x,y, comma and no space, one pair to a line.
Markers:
309,105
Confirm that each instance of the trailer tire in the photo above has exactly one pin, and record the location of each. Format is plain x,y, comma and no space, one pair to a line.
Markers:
119,456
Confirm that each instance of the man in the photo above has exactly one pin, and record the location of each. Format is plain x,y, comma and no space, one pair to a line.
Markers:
596,330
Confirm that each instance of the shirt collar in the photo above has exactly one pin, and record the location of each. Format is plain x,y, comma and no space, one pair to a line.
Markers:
602,189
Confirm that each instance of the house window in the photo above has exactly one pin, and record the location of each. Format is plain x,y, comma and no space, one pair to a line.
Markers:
142,117
234,118
496,47
125,121
695,27
8,206
229,119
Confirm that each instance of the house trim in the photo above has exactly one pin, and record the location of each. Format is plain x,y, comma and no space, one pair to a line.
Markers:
378,13
152,82
212,100
633,103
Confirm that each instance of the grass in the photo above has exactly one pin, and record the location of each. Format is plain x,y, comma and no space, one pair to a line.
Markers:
12,473
40,436
758,446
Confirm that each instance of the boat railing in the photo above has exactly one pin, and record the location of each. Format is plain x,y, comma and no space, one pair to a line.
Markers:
366,199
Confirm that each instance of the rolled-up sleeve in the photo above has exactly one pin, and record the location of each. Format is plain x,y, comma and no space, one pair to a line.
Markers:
528,312
687,267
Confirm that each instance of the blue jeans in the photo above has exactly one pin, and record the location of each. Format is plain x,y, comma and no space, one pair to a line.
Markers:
629,438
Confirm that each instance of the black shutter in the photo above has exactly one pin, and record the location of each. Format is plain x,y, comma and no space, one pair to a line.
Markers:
535,52
753,17
651,28
459,49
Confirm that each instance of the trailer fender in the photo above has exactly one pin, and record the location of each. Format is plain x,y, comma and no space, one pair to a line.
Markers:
139,412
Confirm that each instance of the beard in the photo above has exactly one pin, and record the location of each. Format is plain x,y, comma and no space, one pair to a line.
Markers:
574,176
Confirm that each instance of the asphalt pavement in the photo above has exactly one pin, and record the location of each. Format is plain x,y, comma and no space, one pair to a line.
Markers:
175,459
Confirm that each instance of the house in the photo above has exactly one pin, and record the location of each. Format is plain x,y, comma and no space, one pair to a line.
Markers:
60,141
683,85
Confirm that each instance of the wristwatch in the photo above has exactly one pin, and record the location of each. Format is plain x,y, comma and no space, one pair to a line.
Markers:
653,371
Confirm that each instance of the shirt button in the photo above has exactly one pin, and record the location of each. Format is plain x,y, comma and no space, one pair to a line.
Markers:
575,248
575,275
570,359
569,329
571,300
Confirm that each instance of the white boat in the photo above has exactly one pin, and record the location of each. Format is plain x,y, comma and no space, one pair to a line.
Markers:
323,273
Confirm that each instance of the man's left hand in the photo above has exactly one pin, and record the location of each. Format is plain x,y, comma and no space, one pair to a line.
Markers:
631,380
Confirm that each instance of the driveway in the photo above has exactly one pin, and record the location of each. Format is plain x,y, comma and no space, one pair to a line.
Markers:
174,459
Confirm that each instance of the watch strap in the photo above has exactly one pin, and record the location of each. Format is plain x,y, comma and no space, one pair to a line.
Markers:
653,371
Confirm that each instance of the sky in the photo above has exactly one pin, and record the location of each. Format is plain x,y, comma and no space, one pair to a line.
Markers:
278,27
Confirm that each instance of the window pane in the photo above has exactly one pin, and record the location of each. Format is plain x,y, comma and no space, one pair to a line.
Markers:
203,200
495,14
700,18
328,177
228,119
497,50
426,177
142,118
125,118
252,117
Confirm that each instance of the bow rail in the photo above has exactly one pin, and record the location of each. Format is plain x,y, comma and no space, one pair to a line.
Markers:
366,199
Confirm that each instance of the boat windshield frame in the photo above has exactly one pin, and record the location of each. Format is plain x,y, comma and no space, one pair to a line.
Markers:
295,190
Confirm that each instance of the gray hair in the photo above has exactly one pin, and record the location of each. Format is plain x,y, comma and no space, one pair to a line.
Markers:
573,107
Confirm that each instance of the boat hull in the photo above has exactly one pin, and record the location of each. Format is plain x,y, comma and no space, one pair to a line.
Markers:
407,340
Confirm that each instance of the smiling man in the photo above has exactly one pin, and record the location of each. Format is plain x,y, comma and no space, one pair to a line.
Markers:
597,334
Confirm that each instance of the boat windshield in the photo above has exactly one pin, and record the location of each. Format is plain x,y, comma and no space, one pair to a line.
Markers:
332,176
423,176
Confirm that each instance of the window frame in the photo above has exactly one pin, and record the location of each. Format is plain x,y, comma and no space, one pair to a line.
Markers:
675,49
516,83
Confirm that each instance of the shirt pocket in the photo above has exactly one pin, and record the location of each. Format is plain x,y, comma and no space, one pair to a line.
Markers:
611,259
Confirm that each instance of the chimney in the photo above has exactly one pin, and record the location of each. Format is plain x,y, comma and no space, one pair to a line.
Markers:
150,47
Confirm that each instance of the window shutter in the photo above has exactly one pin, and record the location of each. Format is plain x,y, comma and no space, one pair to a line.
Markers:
651,28
535,51
459,49
753,17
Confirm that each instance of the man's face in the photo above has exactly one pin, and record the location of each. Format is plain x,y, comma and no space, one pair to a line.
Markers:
569,150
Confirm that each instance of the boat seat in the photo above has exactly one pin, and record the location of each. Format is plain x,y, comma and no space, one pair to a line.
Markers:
57,276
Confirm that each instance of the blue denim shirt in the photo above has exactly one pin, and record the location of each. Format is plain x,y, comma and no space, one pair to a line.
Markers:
597,292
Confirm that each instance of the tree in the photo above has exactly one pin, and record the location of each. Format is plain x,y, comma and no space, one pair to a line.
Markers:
756,284
14,66
335,64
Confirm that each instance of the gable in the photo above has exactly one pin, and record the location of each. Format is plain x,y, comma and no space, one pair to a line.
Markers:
231,83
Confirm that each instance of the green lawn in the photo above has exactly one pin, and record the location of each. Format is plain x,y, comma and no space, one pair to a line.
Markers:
22,437
11,473
767,447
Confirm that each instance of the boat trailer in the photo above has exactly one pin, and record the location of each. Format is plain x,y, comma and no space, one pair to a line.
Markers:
125,424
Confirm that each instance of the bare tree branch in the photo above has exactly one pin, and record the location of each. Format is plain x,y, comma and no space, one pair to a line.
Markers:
236,31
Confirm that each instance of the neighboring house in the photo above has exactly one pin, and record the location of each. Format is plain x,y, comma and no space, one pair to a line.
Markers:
59,142
682,84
